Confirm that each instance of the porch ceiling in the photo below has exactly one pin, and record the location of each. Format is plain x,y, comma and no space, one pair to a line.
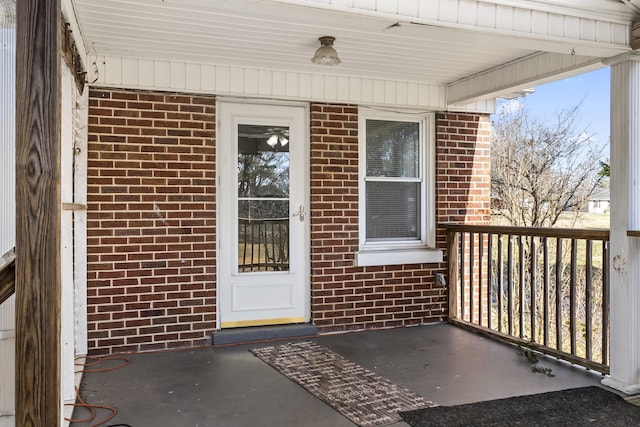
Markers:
372,43
284,37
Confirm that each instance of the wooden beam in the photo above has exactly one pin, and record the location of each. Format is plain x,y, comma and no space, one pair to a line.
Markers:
635,34
38,283
7,275
71,55
7,282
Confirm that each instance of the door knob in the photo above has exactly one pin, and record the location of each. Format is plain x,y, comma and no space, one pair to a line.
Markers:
300,213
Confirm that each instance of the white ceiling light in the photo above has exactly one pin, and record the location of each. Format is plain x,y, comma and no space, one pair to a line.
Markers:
273,140
276,137
326,54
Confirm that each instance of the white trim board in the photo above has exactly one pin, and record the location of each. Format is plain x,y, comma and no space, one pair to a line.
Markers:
178,76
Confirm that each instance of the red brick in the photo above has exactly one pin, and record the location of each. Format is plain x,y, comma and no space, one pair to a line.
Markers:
336,284
171,268
127,239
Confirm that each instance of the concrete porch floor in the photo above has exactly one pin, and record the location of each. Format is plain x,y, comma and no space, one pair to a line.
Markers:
229,386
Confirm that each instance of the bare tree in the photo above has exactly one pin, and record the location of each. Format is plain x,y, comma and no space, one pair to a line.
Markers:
540,168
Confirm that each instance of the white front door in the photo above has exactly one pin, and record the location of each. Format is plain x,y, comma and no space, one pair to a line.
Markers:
262,215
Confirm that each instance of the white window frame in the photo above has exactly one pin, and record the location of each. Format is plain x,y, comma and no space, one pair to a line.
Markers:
401,251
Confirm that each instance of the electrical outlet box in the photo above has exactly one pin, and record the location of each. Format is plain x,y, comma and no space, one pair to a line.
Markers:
441,281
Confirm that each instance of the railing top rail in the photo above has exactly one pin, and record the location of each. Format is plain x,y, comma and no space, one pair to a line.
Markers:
7,259
565,233
263,220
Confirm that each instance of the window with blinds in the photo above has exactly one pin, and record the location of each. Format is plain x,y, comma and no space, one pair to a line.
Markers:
397,185
393,180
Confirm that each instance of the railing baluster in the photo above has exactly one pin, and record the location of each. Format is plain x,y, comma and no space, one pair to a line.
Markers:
533,267
244,246
521,294
462,281
510,283
269,255
588,296
471,282
546,308
260,233
252,227
500,282
285,244
559,293
480,271
572,294
489,277
605,302
453,272
281,255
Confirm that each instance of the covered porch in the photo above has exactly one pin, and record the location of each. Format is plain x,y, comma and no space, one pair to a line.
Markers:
128,139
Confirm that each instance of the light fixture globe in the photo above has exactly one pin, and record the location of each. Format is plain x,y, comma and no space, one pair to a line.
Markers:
273,140
326,54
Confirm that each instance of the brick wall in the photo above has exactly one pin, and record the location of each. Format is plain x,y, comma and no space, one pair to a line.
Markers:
464,190
345,297
151,220
152,230
463,175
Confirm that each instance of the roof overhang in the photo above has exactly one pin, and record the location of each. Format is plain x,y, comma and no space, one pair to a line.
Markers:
413,53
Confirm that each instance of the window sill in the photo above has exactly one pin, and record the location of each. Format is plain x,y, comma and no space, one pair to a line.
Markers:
366,258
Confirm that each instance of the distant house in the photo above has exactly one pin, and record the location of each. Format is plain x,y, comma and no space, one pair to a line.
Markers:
598,202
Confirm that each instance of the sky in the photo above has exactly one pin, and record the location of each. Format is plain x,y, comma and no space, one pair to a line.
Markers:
591,88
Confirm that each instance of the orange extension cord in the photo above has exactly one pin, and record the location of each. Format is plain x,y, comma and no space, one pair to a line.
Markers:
91,407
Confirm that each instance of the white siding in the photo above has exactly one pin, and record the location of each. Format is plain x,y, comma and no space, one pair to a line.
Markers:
80,126
243,81
575,21
73,177
7,207
7,138
519,74
7,356
66,251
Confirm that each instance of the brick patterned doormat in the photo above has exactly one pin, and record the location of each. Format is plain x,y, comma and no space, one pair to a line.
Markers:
362,396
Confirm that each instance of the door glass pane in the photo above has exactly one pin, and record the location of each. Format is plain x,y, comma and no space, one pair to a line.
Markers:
263,198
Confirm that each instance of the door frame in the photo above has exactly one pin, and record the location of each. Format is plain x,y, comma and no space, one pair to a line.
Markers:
305,176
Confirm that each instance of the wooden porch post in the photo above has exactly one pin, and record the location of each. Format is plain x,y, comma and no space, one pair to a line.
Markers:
37,266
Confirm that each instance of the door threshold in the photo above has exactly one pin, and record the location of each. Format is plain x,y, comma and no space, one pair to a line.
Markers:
262,333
